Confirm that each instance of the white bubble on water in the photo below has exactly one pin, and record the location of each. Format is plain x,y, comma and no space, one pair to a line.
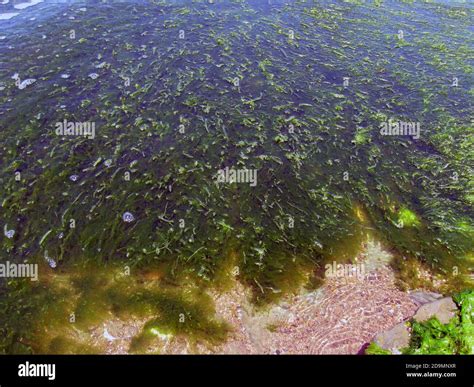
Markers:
8,233
26,83
128,217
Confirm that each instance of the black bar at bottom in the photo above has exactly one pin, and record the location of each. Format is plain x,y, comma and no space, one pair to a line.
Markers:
321,370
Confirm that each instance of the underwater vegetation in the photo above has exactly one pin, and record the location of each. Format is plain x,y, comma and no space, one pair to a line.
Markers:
310,95
432,337
65,306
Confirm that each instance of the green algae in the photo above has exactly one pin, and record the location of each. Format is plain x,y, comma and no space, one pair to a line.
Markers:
455,337
64,346
57,317
179,316
27,310
407,218
374,349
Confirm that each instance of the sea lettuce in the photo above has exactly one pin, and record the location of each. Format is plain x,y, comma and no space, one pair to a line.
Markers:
456,337
465,301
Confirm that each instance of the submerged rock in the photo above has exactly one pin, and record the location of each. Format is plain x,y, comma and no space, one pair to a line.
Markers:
394,339
444,310
421,297
432,305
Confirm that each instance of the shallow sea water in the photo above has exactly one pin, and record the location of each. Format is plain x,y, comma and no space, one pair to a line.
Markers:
291,95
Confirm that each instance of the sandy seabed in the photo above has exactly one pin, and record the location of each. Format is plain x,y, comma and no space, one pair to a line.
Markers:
341,317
